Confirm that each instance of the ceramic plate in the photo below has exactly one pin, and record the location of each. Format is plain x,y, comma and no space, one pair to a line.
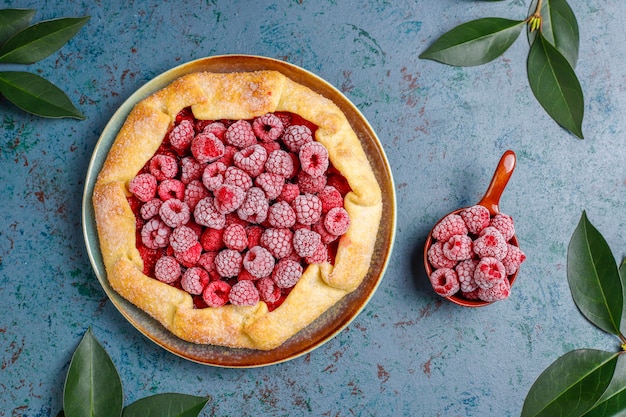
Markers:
331,322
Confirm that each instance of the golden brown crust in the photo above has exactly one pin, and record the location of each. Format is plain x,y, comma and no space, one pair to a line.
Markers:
234,96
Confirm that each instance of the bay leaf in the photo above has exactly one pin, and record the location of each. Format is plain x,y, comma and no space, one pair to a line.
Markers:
474,43
555,85
559,27
613,402
14,20
36,95
166,405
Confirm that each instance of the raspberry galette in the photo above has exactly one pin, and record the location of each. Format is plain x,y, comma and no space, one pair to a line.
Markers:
236,208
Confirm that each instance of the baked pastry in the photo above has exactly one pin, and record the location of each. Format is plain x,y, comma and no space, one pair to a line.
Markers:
236,208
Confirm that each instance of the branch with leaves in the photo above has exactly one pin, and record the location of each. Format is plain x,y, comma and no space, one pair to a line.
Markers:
22,43
553,36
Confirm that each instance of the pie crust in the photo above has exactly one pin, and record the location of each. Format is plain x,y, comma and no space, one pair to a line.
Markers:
234,96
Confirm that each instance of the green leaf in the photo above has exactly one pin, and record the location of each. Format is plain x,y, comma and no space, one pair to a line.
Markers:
14,20
38,41
166,405
92,387
593,277
555,85
36,95
571,385
613,401
474,43
559,27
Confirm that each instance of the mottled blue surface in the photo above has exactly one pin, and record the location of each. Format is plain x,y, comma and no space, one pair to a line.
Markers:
443,128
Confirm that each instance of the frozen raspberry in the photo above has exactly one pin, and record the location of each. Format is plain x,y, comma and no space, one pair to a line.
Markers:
190,169
183,238
216,293
277,241
295,136
305,242
238,177
254,234
189,257
174,212
259,262
271,184
436,257
268,290
330,198
194,192
505,225
499,291
471,295
513,259
240,134
489,272
337,221
234,237
313,159
309,184
228,263
171,188
167,269
232,218
270,146
229,155
207,261
338,181
319,256
281,214
281,163
287,273
155,234
244,275
325,235
200,125
216,128
449,226
228,198
268,127
206,214
244,293
181,135
490,243
163,167
445,282
143,186
150,209
255,206
458,248
465,272
213,175
476,218
251,159
212,239
285,118
308,208
289,193
206,147
194,280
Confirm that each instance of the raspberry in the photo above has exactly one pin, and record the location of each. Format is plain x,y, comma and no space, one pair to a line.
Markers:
277,241
309,184
289,193
436,257
254,235
504,224
216,128
259,262
200,125
308,208
458,248
190,257
190,169
490,243
268,127
498,292
228,198
213,175
285,118
150,209
194,192
212,239
216,293
240,134
255,206
232,218
238,177
207,261
155,234
280,163
476,218
338,181
270,146
171,188
181,135
305,242
184,114
445,282
330,198
143,186
271,184
174,213
319,256
207,215
295,136
449,226
163,167
513,259
244,293
206,147
234,237
268,290
244,275
183,238
251,159
472,295
337,221
229,154
194,280
287,273
228,263
489,272
326,236
465,272
167,269
281,214
314,159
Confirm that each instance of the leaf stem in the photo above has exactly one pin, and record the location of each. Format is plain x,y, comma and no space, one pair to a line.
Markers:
535,20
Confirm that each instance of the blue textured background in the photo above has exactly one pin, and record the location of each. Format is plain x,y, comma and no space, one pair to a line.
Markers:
443,129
